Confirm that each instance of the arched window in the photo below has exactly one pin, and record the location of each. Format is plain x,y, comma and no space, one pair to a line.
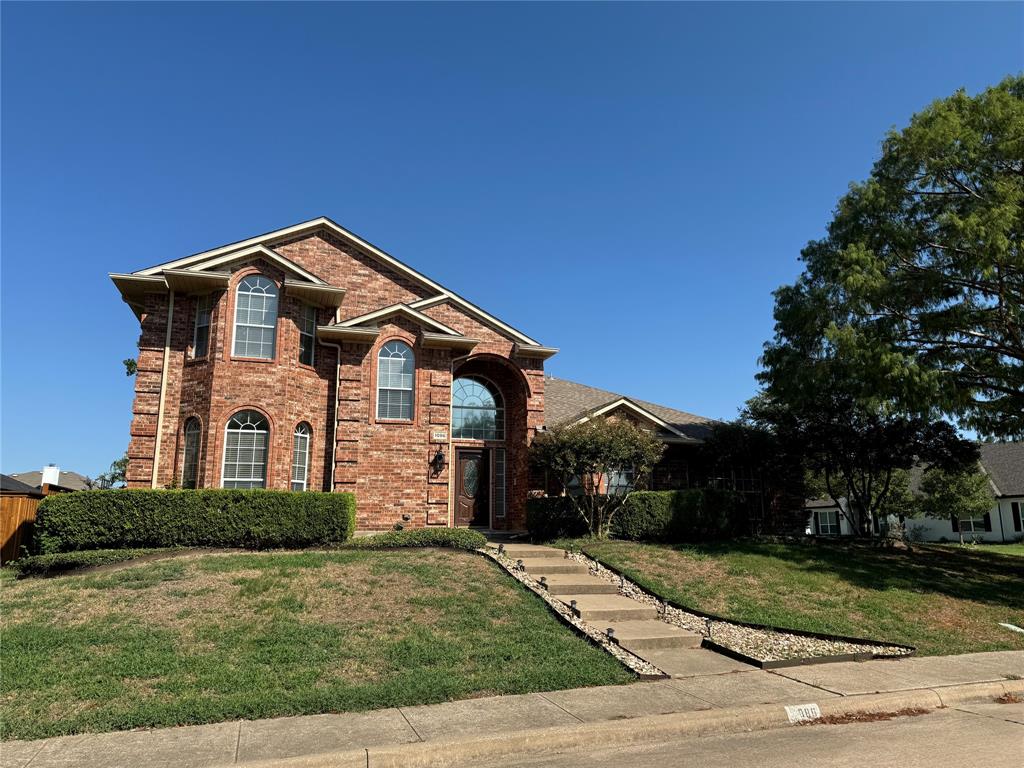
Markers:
396,369
300,457
478,412
255,318
190,465
245,451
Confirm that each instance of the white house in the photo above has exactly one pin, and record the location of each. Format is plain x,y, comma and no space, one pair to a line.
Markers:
1003,463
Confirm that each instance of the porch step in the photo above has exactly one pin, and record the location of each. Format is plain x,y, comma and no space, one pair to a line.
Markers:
579,584
600,609
516,551
645,635
540,566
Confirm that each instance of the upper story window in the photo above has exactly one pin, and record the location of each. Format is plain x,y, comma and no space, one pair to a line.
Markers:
201,333
245,451
300,457
307,334
190,463
478,412
396,368
256,318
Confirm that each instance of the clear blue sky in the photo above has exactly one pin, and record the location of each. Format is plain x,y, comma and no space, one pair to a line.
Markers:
626,182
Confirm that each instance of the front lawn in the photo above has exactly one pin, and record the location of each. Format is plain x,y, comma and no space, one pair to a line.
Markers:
942,600
219,637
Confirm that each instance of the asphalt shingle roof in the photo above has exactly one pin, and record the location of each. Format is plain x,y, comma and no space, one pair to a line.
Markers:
566,401
70,480
1004,463
9,484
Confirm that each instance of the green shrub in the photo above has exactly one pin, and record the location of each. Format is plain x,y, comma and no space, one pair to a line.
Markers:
674,516
668,516
553,517
254,519
456,538
43,565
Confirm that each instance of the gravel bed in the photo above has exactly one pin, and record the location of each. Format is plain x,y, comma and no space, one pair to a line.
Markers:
760,644
632,661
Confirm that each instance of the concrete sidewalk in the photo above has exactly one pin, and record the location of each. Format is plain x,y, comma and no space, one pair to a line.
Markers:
247,741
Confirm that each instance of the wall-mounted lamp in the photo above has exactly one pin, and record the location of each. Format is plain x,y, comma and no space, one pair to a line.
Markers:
437,462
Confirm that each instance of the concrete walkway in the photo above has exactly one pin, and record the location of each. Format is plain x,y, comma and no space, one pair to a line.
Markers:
245,741
633,625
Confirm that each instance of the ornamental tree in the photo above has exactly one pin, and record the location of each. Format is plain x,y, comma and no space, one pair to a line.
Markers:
949,495
597,464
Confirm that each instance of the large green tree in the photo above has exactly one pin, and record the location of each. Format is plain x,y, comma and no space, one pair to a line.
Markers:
919,282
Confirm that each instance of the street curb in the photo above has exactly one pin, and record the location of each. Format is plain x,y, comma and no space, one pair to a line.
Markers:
618,733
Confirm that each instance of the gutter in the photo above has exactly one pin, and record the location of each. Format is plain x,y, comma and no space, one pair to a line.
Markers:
163,389
337,398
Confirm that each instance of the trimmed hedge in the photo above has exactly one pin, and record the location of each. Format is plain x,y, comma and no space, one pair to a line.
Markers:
666,516
697,514
456,538
253,519
60,562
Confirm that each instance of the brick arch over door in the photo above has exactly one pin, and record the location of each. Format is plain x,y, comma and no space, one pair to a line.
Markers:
509,380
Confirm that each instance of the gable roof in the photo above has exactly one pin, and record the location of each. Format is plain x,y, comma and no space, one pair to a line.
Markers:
399,309
1004,464
212,257
566,402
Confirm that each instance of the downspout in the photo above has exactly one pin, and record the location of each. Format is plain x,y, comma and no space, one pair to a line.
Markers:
163,389
337,398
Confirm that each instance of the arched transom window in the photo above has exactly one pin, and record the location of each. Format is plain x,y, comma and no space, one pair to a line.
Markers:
255,318
300,457
245,451
190,463
478,412
396,372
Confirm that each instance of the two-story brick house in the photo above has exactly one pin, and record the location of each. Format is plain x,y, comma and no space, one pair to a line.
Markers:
307,358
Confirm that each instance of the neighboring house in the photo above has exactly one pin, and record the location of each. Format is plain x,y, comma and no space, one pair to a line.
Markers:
54,477
1003,463
307,358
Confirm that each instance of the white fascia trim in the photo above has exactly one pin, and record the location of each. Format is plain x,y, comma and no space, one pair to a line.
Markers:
433,301
624,403
991,481
259,251
344,234
399,309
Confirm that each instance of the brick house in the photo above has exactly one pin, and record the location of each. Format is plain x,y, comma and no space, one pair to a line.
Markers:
307,358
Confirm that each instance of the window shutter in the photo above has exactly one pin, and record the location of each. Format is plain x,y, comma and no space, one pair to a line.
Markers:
1015,507
815,523
956,523
988,522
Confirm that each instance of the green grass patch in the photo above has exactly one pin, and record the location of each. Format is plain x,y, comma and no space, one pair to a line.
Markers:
220,637
942,600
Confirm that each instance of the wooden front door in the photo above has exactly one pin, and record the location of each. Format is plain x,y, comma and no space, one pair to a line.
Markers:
472,488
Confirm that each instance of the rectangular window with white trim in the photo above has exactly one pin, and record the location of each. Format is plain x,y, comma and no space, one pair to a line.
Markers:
307,334
828,522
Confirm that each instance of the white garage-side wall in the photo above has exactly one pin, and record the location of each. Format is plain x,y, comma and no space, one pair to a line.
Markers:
1006,526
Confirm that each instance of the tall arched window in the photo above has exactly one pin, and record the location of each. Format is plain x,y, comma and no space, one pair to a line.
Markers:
245,451
396,368
255,318
300,457
190,463
478,412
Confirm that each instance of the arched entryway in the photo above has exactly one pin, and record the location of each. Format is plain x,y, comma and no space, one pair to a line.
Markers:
488,428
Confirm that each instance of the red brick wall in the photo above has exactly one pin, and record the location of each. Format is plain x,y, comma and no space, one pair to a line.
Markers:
386,464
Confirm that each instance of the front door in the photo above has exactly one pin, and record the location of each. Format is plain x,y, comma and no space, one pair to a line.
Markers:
472,488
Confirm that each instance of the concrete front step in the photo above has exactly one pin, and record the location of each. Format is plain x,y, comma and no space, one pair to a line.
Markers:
602,610
645,635
516,551
540,566
578,584
692,662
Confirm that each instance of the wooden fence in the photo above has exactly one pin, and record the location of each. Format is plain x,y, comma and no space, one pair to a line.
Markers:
17,513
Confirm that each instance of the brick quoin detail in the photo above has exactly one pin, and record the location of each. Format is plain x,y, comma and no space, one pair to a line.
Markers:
387,464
